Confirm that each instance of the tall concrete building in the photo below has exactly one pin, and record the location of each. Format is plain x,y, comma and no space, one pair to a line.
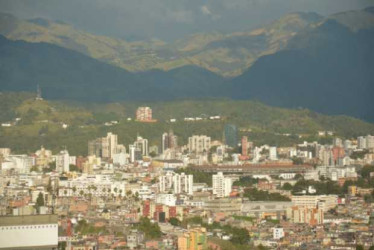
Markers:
144,114
168,141
245,146
369,141
104,147
142,144
199,144
178,183
365,142
183,184
63,162
361,142
231,135
273,153
221,185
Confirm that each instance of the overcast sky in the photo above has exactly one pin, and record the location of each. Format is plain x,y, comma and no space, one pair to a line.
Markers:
170,19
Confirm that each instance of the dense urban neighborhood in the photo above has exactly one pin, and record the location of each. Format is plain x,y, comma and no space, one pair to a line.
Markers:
207,194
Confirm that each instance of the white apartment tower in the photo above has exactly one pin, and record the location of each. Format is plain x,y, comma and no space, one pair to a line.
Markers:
183,184
142,144
221,185
63,161
199,144
179,183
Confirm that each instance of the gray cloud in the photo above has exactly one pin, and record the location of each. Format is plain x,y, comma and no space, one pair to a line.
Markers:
169,19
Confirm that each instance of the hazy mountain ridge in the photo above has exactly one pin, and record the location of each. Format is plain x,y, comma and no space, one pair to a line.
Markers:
66,74
225,54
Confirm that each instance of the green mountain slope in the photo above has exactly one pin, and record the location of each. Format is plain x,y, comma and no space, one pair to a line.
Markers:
41,122
327,68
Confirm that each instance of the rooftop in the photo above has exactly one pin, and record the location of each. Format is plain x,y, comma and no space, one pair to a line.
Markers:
28,220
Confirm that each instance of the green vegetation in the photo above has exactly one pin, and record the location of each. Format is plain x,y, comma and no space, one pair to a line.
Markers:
287,186
41,123
359,154
39,202
245,181
322,187
174,221
85,228
151,230
326,186
74,168
254,194
51,167
245,218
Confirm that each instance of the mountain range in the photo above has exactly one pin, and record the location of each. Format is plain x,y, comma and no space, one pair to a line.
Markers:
224,54
301,60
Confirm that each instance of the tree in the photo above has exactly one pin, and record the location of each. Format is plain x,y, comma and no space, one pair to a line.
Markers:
240,235
174,221
34,169
40,200
151,230
74,168
298,177
287,186
359,247
297,160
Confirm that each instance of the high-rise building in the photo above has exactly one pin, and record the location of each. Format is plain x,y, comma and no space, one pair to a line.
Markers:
178,183
245,146
183,183
199,144
132,153
361,142
231,135
104,147
144,114
168,141
63,161
273,153
142,145
369,141
221,185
